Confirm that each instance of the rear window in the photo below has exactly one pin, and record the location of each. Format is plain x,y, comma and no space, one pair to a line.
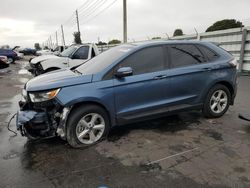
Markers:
185,55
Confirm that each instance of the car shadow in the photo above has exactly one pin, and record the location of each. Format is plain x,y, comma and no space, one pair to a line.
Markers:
173,123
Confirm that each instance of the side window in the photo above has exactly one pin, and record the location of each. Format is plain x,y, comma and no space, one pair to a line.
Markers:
145,61
82,53
211,56
184,55
93,53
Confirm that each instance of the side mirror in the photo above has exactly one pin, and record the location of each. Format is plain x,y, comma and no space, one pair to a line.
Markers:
124,72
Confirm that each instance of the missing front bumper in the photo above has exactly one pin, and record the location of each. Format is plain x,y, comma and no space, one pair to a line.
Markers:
34,124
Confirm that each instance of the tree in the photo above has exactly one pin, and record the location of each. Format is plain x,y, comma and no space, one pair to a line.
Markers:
101,43
37,46
178,32
114,41
225,24
155,38
77,38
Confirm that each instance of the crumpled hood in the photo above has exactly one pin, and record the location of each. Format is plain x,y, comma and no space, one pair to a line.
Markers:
61,62
57,79
42,58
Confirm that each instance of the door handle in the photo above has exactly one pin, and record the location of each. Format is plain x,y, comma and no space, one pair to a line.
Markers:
160,77
207,69
65,63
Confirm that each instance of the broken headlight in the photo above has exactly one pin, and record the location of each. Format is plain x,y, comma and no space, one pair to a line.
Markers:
43,96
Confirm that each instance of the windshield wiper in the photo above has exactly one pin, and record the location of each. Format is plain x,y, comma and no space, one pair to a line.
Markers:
77,72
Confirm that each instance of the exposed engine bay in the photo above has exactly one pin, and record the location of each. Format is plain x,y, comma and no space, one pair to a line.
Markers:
41,120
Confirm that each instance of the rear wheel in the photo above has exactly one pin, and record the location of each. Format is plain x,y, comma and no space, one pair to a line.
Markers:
10,60
87,125
217,101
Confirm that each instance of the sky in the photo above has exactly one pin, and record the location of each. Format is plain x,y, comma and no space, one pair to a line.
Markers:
25,22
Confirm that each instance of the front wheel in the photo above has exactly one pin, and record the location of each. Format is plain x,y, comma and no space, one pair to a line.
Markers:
10,60
217,101
87,125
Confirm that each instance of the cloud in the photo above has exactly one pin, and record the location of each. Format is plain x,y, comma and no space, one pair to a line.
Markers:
30,21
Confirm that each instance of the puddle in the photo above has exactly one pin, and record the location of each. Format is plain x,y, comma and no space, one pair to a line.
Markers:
23,71
150,168
10,106
24,80
215,135
11,155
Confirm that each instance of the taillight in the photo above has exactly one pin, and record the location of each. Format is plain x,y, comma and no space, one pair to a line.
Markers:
233,63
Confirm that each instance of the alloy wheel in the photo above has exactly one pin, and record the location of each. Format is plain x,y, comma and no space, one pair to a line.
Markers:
218,101
90,128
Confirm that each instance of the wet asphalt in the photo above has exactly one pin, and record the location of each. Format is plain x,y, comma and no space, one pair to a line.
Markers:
185,150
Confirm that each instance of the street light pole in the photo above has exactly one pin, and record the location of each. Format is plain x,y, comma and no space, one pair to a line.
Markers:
125,34
63,39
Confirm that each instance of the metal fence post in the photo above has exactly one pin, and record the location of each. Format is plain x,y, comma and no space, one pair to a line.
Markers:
242,50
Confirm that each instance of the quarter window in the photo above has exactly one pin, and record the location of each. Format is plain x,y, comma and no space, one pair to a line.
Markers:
145,61
184,55
209,53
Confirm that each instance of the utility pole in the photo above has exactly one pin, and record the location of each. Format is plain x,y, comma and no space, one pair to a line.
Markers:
125,34
51,44
77,21
56,39
63,40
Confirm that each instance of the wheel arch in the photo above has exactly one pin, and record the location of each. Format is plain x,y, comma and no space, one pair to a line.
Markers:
51,69
222,82
92,102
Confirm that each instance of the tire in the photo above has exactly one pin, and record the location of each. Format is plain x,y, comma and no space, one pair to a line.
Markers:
217,101
11,60
79,125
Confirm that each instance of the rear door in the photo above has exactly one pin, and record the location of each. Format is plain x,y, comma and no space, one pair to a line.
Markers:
142,94
189,72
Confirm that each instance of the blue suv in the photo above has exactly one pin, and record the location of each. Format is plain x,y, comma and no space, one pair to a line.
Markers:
128,83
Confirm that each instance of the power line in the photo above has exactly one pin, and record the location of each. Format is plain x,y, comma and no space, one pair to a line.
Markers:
93,10
84,4
103,10
90,8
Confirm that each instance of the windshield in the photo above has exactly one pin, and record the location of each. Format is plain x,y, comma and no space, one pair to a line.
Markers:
68,52
103,60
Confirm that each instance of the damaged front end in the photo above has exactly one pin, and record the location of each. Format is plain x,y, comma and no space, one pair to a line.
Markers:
40,118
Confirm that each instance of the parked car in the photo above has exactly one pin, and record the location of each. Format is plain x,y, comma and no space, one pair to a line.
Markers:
44,52
19,55
55,51
126,84
3,62
10,54
73,56
28,51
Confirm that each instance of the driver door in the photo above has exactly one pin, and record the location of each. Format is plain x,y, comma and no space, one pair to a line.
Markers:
80,56
142,94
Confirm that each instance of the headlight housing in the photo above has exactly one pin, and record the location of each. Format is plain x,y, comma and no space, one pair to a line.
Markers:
43,96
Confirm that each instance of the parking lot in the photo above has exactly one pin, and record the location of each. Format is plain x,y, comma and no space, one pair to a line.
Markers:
185,150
